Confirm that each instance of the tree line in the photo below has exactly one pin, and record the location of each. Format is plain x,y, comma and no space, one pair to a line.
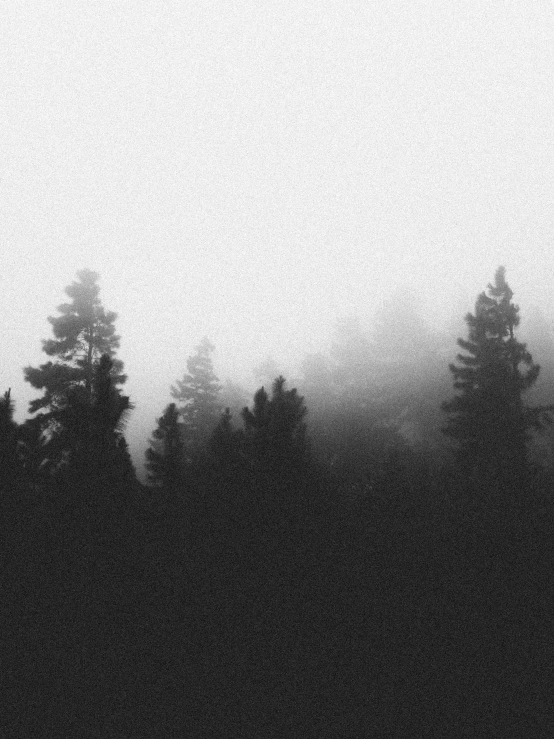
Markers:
77,427
292,567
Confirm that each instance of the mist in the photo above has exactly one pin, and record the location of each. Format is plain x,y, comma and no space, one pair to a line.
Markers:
256,175
326,192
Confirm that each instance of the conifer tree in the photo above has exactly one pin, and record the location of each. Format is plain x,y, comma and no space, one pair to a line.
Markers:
9,461
197,395
275,430
166,456
31,451
227,447
234,397
90,440
84,332
488,419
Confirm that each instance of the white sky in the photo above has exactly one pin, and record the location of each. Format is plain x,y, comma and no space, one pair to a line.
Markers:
253,170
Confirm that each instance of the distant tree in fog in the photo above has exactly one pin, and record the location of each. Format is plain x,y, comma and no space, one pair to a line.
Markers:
84,333
267,371
317,375
352,358
198,399
401,334
165,456
234,397
487,418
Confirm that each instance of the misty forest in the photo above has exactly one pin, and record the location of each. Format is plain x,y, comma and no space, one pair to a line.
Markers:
361,551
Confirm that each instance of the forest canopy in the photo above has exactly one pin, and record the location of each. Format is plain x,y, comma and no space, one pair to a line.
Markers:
384,511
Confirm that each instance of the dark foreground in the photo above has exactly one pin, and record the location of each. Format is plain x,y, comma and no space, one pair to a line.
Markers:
206,621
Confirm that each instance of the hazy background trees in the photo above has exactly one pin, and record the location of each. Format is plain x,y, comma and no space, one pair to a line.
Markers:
374,396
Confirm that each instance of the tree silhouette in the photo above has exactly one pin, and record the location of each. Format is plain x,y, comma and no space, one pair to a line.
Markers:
275,431
9,458
166,456
91,424
487,418
84,332
225,443
197,397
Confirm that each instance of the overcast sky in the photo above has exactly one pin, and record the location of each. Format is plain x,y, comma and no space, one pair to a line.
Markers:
252,170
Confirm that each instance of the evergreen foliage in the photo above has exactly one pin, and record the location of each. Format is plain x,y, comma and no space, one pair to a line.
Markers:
31,451
266,590
83,332
9,458
487,418
275,430
197,396
234,397
166,454
81,405
89,439
225,443
273,439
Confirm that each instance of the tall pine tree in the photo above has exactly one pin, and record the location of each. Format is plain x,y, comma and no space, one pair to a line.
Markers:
84,333
197,396
487,418
91,429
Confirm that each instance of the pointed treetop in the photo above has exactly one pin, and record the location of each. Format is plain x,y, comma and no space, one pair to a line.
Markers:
83,333
7,408
84,322
487,416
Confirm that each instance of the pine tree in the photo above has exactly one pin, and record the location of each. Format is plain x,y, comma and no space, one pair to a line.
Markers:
197,395
488,419
9,459
90,441
165,456
537,331
31,451
275,430
84,332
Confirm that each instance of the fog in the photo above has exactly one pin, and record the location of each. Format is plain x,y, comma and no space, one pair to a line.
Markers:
256,172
